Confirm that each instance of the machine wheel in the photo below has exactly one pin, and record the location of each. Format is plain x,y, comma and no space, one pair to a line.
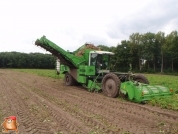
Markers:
140,78
111,85
69,80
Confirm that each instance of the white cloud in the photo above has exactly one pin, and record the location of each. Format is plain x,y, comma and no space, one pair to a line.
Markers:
70,23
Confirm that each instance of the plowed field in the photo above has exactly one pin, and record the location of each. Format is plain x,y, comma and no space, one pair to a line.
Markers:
45,105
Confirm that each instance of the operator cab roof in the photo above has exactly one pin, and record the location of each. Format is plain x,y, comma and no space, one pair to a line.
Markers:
102,52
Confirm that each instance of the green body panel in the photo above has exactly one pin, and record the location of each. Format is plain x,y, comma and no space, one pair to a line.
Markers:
83,72
139,92
87,70
82,79
63,69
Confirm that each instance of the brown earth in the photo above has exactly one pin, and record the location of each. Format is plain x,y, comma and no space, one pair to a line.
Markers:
46,106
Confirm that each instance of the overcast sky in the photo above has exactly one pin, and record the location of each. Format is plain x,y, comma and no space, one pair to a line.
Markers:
71,23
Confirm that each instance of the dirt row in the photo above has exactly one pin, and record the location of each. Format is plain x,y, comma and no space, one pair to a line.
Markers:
45,105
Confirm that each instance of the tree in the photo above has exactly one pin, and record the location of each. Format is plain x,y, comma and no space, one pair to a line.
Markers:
160,42
122,56
149,49
23,60
171,47
136,48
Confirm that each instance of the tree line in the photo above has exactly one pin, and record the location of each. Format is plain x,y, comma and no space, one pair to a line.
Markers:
147,52
24,60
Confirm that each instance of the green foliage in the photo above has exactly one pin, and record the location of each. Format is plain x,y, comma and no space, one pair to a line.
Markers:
159,51
169,102
165,80
166,102
23,60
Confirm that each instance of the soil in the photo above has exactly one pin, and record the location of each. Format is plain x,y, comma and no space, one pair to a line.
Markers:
45,105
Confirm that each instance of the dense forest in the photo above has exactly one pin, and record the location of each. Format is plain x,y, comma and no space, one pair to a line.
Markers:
148,52
24,60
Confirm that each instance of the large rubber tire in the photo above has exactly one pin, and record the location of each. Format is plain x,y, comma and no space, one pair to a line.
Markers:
69,80
111,85
141,78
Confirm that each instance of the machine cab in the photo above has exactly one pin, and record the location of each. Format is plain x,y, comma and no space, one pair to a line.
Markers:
100,59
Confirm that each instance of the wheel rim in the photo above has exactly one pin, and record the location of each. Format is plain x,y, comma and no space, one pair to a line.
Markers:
67,79
110,86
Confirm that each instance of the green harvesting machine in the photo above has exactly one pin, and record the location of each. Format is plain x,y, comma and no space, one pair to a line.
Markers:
90,67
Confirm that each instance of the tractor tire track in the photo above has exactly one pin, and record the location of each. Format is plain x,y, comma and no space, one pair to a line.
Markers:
29,122
71,92
63,124
79,91
127,113
92,122
96,112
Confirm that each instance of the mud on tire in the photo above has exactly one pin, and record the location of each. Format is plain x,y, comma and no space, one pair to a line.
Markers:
111,85
69,80
141,78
